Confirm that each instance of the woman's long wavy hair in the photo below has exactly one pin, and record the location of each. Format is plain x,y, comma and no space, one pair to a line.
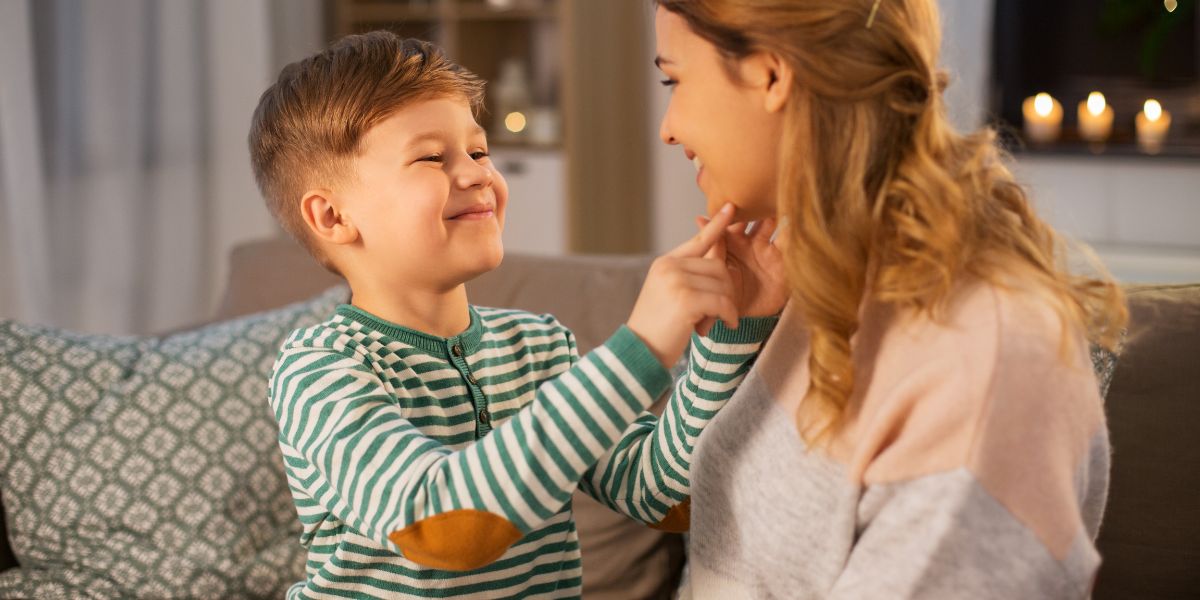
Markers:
881,193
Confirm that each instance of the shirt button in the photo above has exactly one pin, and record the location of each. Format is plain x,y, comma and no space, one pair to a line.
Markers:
457,349
485,417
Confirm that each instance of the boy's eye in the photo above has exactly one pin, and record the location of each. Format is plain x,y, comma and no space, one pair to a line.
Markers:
479,155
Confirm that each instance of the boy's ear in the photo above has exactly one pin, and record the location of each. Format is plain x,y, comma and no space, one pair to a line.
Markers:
770,74
325,219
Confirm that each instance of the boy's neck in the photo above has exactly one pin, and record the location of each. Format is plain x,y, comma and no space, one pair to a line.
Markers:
435,312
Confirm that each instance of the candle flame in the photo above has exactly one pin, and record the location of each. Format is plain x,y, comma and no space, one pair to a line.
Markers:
1170,5
1043,104
1153,110
1096,103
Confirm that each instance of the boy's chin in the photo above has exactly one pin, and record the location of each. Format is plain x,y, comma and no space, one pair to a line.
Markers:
485,261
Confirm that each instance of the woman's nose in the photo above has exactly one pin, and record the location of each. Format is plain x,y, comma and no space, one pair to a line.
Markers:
664,133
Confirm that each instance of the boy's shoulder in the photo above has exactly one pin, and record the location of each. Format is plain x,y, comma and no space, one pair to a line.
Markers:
336,334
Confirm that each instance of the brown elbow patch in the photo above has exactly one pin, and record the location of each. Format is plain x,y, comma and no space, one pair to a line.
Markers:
459,540
678,519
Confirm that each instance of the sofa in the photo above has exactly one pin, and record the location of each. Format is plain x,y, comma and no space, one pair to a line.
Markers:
147,467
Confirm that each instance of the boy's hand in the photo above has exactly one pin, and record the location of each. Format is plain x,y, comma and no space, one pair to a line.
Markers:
683,289
755,266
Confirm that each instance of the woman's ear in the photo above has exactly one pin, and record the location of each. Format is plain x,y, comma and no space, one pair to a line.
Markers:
326,221
780,84
770,74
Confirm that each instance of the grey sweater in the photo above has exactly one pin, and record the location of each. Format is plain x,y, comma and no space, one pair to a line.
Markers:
973,464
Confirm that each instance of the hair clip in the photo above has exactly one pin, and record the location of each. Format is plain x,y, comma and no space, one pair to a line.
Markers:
874,9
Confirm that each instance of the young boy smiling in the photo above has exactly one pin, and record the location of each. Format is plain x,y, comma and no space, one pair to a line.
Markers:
432,446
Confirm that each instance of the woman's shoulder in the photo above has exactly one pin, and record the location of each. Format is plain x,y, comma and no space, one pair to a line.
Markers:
987,383
984,331
998,388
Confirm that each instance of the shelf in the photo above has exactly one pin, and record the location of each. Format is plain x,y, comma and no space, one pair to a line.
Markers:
1189,153
1121,145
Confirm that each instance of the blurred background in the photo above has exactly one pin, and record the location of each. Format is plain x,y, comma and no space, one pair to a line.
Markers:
125,179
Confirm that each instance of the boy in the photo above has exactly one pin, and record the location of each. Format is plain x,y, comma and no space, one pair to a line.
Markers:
431,446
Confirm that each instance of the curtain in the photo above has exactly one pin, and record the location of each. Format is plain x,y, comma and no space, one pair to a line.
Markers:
124,174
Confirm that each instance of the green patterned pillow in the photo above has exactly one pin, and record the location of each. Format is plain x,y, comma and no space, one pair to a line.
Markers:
148,467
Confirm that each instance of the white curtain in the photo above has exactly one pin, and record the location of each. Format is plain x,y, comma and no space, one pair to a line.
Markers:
124,174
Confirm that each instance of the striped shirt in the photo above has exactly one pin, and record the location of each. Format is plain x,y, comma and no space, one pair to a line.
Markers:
444,467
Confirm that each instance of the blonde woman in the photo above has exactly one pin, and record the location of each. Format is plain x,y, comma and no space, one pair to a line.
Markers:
924,421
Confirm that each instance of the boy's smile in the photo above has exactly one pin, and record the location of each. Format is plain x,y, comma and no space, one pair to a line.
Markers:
475,212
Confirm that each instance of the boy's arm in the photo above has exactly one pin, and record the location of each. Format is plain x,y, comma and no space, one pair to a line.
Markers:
647,475
346,442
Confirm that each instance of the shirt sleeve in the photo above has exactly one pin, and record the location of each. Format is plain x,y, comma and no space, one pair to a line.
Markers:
647,475
347,444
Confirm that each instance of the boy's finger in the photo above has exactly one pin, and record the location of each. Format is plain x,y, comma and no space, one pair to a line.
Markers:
717,250
708,235
764,231
705,267
718,283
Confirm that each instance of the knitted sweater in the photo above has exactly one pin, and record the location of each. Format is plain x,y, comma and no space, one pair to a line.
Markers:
443,467
973,463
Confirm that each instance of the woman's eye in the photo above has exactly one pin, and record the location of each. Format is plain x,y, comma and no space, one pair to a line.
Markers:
669,83
431,158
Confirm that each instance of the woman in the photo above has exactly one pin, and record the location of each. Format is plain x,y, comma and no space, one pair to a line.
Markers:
925,421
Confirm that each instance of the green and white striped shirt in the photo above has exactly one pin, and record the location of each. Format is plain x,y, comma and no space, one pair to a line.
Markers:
444,467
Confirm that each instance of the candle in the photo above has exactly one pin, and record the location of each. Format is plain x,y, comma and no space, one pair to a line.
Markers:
1043,118
1152,125
1095,118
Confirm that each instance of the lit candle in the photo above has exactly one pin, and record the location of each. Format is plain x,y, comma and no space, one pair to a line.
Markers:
1095,118
1152,125
1043,118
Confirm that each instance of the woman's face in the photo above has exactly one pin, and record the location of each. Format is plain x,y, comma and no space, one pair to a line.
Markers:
725,126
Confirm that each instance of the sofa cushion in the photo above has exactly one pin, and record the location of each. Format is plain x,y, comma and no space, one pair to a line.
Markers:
1150,537
148,467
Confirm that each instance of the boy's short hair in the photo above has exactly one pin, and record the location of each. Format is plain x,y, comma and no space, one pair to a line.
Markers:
311,121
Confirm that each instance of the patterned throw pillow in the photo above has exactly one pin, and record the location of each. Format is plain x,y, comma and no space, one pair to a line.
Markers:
148,467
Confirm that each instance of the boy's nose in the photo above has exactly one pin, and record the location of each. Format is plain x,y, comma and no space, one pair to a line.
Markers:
472,174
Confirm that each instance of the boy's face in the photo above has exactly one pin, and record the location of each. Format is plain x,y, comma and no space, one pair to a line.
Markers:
427,200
